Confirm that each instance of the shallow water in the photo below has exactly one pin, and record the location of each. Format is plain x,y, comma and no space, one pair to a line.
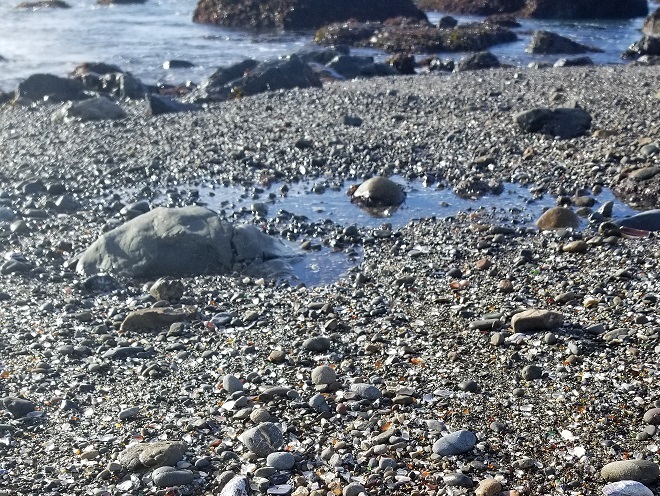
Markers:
517,206
139,38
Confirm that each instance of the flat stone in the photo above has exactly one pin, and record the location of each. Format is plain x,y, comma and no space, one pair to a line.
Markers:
533,320
317,344
531,372
146,319
263,440
456,443
18,407
644,471
156,454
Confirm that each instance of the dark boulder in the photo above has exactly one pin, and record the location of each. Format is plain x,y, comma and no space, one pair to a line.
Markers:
648,45
39,86
447,22
543,9
546,42
160,104
359,66
561,122
177,64
45,4
416,38
477,61
300,14
250,78
119,2
646,221
98,68
404,63
502,20
652,24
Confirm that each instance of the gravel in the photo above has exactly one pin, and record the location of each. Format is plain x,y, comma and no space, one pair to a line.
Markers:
418,331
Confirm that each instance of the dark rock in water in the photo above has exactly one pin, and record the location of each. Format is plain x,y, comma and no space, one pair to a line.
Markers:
546,42
648,60
652,24
646,221
379,192
177,64
176,242
121,85
415,37
542,9
575,62
648,45
404,63
99,68
95,109
58,89
360,66
477,61
447,22
45,4
119,2
300,14
562,122
476,187
253,78
503,20
160,104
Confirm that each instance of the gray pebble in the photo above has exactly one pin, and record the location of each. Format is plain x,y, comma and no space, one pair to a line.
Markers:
323,374
281,460
455,443
128,413
652,416
231,384
644,471
263,440
317,344
531,372
353,489
366,391
169,476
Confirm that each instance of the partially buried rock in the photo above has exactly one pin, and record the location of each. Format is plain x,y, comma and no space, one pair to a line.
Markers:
652,416
170,477
160,104
157,454
379,192
644,471
647,221
153,318
561,122
95,109
366,391
168,289
18,407
534,320
455,443
317,344
557,218
180,241
546,42
263,440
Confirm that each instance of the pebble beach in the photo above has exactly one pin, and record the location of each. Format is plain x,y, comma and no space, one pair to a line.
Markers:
464,354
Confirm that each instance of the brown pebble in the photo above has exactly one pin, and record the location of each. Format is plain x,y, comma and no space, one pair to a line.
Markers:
579,246
277,356
488,487
505,286
557,218
483,264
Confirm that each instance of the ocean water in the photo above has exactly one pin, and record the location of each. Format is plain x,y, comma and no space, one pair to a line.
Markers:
139,38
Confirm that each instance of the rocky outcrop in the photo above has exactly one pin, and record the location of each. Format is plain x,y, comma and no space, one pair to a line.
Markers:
543,9
652,24
647,46
546,42
416,38
39,86
250,78
561,122
300,14
176,242
45,4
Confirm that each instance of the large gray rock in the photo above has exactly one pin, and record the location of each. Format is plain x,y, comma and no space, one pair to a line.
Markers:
561,122
477,61
58,89
652,24
455,443
176,242
249,78
95,109
546,42
18,407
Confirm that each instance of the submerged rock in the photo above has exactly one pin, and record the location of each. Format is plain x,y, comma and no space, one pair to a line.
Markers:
179,241
379,192
562,122
300,14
